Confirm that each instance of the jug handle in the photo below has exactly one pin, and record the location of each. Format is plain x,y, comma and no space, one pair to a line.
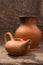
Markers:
19,39
11,37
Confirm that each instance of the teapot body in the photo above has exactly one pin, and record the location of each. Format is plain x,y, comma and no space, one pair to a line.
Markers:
16,46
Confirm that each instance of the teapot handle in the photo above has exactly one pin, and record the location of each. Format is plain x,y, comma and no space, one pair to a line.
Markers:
11,37
18,39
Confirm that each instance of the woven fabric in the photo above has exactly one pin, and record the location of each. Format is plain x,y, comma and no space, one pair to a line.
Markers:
11,10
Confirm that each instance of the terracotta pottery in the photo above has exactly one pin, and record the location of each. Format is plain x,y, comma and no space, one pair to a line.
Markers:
29,30
16,46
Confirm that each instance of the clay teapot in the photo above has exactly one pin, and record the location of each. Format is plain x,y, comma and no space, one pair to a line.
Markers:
29,30
16,46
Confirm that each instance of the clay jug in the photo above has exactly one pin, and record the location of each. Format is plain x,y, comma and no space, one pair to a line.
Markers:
16,46
29,30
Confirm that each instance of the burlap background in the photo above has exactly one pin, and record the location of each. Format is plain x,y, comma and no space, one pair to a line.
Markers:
11,10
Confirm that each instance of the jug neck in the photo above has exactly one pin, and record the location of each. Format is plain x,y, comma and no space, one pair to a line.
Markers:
29,21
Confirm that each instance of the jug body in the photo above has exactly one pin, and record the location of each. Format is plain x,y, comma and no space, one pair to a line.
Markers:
29,30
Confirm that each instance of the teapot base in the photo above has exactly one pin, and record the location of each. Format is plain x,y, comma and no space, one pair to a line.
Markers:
16,54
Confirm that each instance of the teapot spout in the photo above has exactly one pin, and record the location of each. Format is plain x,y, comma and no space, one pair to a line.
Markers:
27,43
